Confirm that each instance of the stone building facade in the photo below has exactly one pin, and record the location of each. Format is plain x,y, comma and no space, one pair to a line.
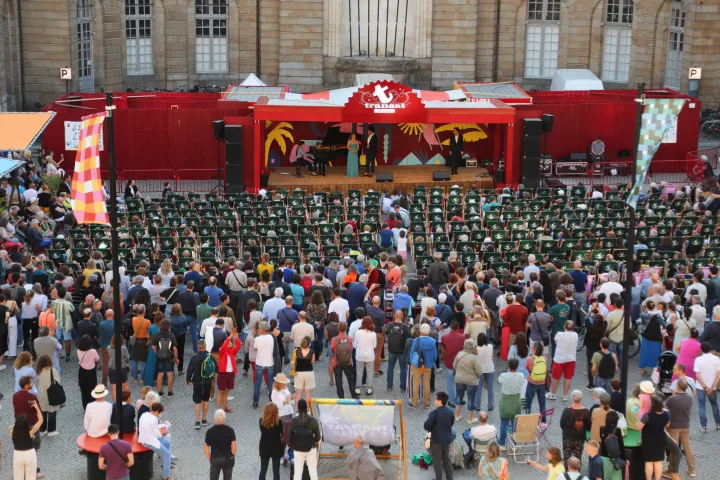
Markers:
319,44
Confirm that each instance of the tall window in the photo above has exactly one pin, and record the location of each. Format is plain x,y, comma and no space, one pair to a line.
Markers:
542,38
211,39
84,42
138,36
676,41
617,41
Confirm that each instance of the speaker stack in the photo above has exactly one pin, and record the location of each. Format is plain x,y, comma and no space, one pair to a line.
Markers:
233,159
532,129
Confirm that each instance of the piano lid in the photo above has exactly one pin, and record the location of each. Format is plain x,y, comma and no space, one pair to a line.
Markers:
334,137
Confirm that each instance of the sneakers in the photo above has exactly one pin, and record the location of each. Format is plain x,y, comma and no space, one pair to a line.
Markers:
703,429
692,473
53,434
565,398
717,427
472,420
457,418
503,448
212,399
589,389
245,374
160,394
255,405
389,389
42,434
204,423
3,367
410,405
439,370
550,396
357,391
369,391
228,410
231,398
197,425
377,374
67,358
171,394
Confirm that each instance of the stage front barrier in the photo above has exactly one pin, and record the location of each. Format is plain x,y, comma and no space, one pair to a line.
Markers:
199,180
342,419
148,181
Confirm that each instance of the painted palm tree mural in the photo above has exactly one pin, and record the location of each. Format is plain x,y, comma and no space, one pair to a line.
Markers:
472,132
278,134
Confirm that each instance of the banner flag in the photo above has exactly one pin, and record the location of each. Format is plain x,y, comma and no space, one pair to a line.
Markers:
87,199
343,420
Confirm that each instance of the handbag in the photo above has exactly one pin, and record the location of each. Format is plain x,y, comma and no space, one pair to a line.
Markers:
55,392
428,440
293,363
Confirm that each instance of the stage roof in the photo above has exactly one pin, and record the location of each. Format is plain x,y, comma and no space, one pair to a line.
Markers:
340,96
19,130
240,93
508,92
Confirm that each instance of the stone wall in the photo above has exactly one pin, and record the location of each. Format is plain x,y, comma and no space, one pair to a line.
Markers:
301,44
454,41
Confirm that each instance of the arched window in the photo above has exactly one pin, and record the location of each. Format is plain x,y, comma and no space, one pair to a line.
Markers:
676,41
211,36
617,41
138,37
84,42
542,38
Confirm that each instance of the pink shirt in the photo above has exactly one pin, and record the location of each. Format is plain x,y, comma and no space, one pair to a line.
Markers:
689,351
644,405
88,359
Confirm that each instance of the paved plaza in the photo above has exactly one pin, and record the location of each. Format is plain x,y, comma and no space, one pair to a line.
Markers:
59,458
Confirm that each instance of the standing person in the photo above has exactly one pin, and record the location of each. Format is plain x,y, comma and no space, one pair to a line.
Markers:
342,347
201,372
12,327
127,417
304,437
397,335
423,354
271,445
652,427
652,339
615,328
164,345
520,351
220,447
555,467
154,436
688,351
512,384
353,163
116,457
151,362
679,406
574,424
46,376
304,374
604,365
317,317
30,312
451,344
485,355
287,317
537,366
106,329
178,327
371,147
707,370
139,353
118,373
87,373
365,346
596,470
516,316
23,434
227,369
467,369
560,314
565,356
439,424
539,324
264,345
596,327
46,344
377,315
457,150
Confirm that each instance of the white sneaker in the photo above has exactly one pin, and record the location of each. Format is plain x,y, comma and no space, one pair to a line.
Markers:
439,370
3,367
231,398
457,418
502,448
565,398
42,434
550,396
472,420
53,434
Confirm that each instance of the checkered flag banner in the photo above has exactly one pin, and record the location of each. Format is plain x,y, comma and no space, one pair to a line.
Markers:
87,200
658,117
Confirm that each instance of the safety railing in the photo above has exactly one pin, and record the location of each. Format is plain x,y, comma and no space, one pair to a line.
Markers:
199,180
148,181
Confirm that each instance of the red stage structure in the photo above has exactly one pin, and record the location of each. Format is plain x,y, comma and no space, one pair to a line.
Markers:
161,135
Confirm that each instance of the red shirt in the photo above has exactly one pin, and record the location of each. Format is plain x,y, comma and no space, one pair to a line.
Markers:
372,278
452,343
516,317
392,223
227,354
21,405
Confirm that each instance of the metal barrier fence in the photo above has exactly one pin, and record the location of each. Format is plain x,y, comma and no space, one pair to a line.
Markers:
711,154
199,180
148,181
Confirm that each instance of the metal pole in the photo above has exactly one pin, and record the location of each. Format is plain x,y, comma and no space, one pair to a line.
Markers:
397,15
258,46
377,31
350,24
630,262
368,29
110,122
405,28
387,24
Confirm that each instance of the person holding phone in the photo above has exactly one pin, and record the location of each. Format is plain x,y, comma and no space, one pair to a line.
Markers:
227,369
23,435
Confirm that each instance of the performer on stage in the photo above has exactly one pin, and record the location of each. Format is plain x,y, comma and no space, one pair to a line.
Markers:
457,150
302,158
370,152
352,158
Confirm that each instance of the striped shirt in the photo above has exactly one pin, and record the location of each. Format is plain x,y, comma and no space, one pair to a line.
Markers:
62,314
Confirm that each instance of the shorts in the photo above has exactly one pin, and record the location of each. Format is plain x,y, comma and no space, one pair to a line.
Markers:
201,393
566,369
61,334
165,367
305,380
117,376
226,380
328,351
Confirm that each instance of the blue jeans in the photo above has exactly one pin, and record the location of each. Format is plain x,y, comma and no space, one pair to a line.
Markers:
709,305
392,359
193,326
532,390
604,383
137,373
164,453
616,348
472,394
450,385
701,396
488,379
259,375
504,424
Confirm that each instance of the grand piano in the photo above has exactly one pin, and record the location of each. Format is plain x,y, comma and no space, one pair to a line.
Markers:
333,146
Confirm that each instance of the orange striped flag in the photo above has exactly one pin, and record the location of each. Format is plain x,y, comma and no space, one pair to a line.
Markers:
87,199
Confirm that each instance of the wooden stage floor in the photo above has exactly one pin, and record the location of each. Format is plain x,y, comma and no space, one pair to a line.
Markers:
404,178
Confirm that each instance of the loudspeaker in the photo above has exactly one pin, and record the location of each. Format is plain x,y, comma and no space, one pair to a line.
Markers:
532,127
233,134
234,178
441,176
531,182
578,157
383,177
531,167
547,122
233,154
531,147
219,129
500,176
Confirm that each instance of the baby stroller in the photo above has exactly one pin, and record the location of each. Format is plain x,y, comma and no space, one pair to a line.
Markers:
666,362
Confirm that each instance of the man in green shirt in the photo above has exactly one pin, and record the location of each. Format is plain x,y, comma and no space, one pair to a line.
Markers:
560,314
203,310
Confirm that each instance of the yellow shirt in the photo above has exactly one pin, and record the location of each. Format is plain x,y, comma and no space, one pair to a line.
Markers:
265,267
87,272
555,471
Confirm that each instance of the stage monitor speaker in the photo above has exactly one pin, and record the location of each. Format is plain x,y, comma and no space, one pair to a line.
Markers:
531,182
233,134
531,147
532,127
547,122
234,178
383,177
441,176
578,157
219,129
233,154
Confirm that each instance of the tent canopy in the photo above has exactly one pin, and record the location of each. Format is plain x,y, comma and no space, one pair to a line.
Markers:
19,130
252,81
7,166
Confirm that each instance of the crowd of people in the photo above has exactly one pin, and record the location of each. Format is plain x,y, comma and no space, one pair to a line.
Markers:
392,283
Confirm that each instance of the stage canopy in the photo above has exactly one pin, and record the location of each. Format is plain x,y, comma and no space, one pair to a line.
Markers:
18,131
7,166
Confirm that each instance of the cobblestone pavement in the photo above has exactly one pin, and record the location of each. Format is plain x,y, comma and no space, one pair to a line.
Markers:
59,459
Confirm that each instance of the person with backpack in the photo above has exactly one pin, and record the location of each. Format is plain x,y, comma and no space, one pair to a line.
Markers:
612,445
341,348
200,374
574,425
164,345
604,366
397,334
423,354
596,326
537,366
304,437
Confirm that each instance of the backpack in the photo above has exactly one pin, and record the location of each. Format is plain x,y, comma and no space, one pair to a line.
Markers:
396,342
302,440
612,446
306,282
381,279
606,366
416,357
539,370
164,353
579,421
208,367
343,353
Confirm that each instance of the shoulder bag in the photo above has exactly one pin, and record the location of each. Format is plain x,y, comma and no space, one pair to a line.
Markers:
55,392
